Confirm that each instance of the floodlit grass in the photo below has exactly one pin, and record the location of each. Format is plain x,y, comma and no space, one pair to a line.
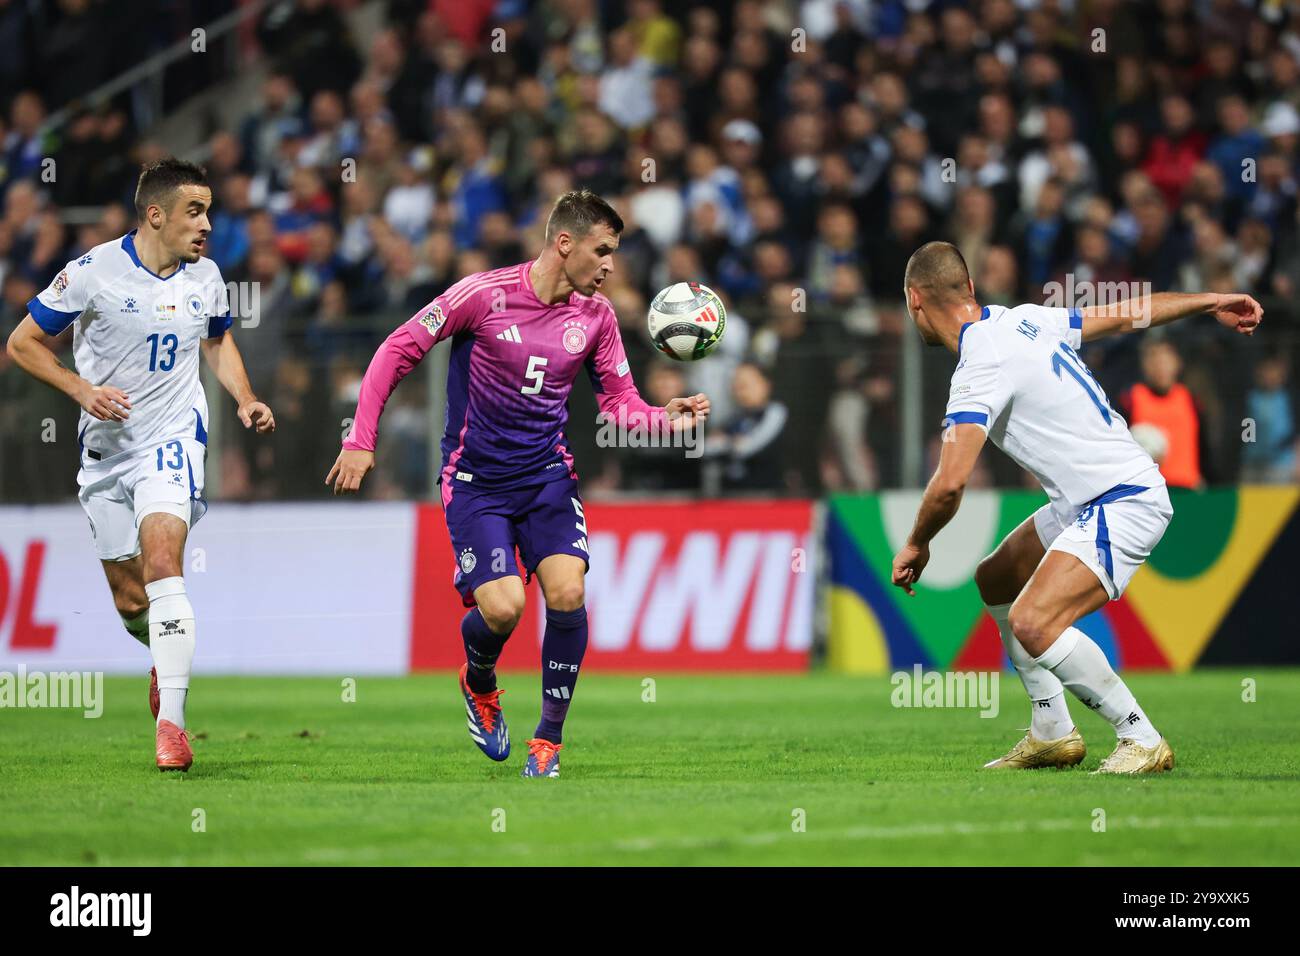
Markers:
715,771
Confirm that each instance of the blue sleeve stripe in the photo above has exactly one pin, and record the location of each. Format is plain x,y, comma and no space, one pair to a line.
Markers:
51,321
1076,319
966,418
218,324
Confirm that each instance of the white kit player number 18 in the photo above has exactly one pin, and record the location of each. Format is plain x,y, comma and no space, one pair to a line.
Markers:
1074,365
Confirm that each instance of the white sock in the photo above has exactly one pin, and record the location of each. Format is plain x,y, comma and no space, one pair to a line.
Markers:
171,639
1049,716
138,626
1085,672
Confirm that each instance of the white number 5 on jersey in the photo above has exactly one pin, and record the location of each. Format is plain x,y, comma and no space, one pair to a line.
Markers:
535,373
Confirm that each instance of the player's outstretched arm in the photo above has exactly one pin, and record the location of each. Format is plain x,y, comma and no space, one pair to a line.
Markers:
961,449
223,357
1234,311
456,311
29,347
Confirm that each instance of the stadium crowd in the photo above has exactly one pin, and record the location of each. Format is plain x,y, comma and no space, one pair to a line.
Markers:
789,154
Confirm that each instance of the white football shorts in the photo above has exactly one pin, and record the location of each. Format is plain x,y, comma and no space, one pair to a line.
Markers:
118,492
1114,533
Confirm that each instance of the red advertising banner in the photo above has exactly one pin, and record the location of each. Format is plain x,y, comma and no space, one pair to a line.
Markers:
690,586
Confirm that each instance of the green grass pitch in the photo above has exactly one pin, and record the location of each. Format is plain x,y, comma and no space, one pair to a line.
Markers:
714,771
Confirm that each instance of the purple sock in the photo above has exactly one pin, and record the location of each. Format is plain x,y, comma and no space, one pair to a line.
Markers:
562,648
482,648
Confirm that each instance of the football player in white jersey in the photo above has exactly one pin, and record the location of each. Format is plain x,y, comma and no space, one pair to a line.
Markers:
1020,382
142,308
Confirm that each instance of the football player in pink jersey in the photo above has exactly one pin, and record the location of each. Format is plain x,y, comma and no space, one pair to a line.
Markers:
519,336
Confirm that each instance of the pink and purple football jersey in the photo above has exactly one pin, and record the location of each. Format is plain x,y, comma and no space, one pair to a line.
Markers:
514,359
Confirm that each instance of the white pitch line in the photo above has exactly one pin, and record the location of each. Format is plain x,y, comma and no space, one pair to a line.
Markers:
957,828
906,831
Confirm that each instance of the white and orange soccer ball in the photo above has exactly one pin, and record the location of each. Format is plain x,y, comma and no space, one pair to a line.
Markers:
687,321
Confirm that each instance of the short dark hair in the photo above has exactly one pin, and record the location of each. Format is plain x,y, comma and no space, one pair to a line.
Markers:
939,269
160,179
577,211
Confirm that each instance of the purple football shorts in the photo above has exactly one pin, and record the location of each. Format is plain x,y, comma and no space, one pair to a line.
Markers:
487,525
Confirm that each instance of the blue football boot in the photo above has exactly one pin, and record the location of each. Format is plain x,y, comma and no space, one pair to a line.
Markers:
487,724
543,759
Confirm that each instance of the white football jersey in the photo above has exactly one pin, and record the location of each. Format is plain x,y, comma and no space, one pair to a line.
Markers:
140,333
1019,377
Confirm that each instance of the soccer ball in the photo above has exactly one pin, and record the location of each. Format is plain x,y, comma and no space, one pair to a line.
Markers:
687,321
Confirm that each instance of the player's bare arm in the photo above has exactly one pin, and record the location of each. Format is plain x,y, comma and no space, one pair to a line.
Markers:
1234,311
29,347
961,449
222,355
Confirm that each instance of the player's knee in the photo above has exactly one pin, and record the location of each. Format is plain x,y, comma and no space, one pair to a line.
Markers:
1030,628
159,566
162,545
501,612
131,605
566,596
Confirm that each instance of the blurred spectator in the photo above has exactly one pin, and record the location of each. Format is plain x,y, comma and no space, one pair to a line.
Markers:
394,148
1238,146
310,41
228,243
664,468
657,36
1274,197
750,445
24,146
1044,237
836,245
1159,246
1273,454
306,204
410,202
1060,157
478,189
1175,150
262,130
997,283
1162,401
625,83
974,225
850,464
74,55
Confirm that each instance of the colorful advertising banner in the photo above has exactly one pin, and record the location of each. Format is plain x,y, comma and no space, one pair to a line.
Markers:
366,588
1218,589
